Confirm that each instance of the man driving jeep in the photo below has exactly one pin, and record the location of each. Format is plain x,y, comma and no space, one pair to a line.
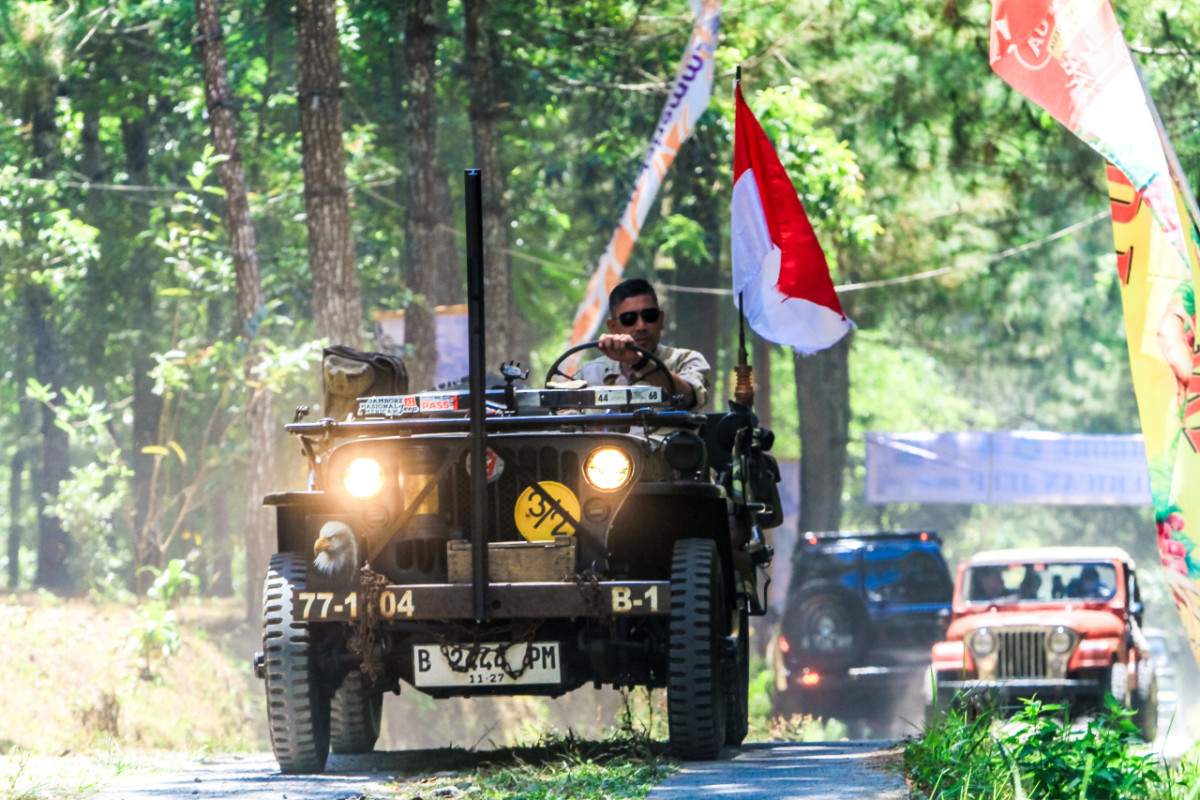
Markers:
635,317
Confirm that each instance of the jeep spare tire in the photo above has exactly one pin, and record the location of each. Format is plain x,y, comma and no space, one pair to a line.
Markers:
826,626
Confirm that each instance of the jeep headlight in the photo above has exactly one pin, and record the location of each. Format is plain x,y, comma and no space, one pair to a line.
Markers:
608,468
363,478
983,643
1060,640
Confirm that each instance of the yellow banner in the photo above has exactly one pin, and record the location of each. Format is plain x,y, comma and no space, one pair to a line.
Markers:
1159,300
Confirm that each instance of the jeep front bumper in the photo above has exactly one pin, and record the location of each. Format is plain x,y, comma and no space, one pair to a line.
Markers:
1014,688
505,601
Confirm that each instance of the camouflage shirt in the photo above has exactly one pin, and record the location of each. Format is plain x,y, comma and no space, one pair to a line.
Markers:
689,365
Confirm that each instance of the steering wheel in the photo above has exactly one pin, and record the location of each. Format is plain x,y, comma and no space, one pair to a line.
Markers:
554,368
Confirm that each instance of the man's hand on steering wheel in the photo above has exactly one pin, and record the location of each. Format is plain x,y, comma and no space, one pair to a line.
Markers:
620,347
628,352
642,363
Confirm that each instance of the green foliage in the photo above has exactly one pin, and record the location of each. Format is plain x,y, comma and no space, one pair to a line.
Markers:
1040,754
91,503
172,584
762,687
921,187
158,637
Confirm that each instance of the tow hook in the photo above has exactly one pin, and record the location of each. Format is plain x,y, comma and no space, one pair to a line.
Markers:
260,666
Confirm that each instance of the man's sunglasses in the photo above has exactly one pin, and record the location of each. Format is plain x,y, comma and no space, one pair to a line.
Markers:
629,318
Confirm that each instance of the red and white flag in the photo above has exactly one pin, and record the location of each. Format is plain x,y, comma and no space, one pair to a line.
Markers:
779,270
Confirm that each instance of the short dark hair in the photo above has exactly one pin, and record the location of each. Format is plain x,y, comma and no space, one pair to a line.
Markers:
631,287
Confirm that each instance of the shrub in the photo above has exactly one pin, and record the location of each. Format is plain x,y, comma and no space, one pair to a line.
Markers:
1040,755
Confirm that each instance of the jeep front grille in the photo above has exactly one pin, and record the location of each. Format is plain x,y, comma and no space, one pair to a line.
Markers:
536,462
1021,654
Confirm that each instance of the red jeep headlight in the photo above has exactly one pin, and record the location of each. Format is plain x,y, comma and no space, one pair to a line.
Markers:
982,642
1060,640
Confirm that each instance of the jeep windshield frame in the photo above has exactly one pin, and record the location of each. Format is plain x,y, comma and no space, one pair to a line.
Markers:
649,420
1041,583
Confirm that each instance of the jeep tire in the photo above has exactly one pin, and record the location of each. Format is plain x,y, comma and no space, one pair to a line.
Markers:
1118,684
737,710
829,627
1145,701
297,703
696,677
355,714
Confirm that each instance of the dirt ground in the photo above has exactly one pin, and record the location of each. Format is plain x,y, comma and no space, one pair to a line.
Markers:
78,682
79,679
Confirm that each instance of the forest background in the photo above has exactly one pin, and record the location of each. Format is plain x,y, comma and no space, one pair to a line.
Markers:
163,334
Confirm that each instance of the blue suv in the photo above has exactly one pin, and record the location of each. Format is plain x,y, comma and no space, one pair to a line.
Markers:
863,611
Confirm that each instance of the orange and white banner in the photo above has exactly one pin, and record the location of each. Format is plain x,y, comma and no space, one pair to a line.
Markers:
689,97
1070,57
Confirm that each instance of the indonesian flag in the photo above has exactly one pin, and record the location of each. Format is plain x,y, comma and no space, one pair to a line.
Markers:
779,270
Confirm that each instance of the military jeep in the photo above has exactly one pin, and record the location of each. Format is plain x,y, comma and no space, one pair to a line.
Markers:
508,539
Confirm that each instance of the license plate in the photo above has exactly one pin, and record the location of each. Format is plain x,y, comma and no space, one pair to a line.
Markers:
456,667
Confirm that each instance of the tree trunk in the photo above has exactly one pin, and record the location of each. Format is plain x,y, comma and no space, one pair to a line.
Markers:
337,292
147,406
823,397
483,64
424,248
694,314
259,521
54,543
15,468
221,566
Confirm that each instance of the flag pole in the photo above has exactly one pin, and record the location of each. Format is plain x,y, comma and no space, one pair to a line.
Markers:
743,387
1174,168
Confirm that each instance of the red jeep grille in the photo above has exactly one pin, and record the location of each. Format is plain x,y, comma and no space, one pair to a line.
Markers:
1022,654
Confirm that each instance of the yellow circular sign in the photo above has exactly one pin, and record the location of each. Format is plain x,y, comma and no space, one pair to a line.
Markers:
538,520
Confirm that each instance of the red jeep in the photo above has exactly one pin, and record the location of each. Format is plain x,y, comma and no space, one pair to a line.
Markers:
1058,623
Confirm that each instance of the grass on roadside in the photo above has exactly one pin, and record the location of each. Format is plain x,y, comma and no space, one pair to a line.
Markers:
625,765
1039,754
26,775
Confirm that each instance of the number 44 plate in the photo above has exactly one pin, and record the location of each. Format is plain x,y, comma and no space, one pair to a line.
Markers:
453,667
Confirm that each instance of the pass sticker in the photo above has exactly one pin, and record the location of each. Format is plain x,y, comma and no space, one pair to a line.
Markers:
538,520
439,402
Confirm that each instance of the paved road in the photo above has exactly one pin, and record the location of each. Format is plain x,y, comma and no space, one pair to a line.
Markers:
256,777
811,771
841,770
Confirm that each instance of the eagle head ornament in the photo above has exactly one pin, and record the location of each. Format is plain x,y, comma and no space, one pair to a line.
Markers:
336,549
